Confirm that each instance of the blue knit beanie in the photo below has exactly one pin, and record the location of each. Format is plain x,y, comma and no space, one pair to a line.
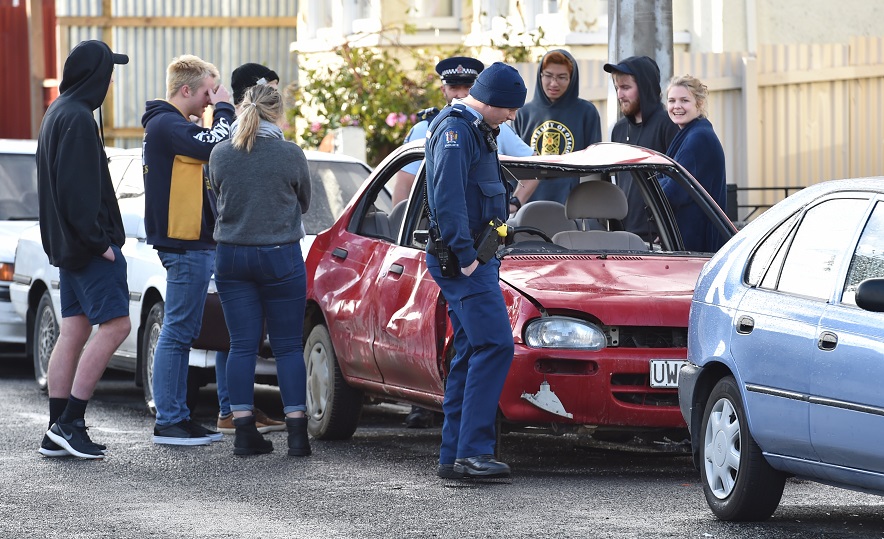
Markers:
500,85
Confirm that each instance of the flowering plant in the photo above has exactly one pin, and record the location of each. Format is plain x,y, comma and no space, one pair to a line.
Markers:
364,87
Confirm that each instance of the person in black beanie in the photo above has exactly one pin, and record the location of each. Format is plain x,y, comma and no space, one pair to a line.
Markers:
466,191
248,75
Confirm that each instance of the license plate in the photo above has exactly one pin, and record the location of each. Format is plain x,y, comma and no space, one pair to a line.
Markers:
664,372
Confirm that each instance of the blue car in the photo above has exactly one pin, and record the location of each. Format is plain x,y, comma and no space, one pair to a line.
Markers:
786,352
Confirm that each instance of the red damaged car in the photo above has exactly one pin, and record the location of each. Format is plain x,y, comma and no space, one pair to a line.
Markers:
599,314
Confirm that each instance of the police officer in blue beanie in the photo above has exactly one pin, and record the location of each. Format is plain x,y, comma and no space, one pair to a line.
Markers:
466,191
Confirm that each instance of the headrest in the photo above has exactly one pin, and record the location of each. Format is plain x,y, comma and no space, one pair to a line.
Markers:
596,199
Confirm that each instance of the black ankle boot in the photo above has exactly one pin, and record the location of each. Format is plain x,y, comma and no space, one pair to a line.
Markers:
248,440
299,444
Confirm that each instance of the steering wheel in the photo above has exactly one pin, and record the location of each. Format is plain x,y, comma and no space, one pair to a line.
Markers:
533,231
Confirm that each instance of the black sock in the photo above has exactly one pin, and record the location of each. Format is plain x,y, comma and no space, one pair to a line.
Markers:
74,410
56,408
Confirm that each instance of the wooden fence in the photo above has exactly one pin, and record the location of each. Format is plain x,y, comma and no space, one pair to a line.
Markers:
790,116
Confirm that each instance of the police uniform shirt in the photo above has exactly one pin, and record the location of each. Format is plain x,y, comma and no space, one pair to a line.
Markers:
467,189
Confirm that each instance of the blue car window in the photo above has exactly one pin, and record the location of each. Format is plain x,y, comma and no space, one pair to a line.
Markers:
818,249
868,259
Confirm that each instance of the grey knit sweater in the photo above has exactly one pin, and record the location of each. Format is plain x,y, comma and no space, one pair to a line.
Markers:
261,194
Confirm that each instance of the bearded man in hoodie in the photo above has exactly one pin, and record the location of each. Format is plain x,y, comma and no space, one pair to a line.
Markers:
82,232
645,123
556,121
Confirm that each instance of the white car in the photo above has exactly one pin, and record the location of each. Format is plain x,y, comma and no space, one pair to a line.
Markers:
18,211
35,291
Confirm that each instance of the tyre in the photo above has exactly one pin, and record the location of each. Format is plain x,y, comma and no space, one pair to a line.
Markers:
333,407
738,482
45,335
152,327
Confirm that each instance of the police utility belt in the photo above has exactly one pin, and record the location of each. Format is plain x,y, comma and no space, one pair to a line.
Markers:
485,242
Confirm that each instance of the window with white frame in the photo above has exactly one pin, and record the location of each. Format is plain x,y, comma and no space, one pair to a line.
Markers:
431,14
320,18
360,16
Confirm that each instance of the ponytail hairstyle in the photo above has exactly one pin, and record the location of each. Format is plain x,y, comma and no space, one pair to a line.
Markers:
699,90
261,102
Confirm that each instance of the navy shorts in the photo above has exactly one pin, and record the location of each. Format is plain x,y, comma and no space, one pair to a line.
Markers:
99,290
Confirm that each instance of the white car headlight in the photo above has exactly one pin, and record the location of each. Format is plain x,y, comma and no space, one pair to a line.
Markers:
564,332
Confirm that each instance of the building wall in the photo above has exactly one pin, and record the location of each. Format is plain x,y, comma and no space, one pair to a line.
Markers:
15,83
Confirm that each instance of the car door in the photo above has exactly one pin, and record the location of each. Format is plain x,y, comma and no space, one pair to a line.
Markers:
846,402
402,303
775,327
411,313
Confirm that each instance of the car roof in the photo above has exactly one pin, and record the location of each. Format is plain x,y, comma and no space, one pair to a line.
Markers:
312,155
19,146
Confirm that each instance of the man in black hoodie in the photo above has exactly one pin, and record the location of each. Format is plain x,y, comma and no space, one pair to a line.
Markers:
645,123
82,232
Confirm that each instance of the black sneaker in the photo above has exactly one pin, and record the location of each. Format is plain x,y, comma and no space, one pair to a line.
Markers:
200,430
48,448
178,434
73,438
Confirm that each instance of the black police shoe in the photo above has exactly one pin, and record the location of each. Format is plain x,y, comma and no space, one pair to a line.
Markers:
482,466
446,471
419,418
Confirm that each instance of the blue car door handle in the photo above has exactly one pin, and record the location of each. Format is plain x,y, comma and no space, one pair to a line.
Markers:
340,253
745,325
828,341
397,269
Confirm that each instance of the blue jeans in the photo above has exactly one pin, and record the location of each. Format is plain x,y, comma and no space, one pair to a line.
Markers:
221,381
258,284
187,281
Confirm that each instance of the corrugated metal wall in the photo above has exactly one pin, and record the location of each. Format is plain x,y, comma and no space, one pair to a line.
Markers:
15,86
151,48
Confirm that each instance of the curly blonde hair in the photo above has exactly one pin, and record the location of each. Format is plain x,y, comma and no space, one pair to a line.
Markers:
699,90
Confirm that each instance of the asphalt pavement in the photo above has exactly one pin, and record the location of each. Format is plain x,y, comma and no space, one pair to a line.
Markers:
381,483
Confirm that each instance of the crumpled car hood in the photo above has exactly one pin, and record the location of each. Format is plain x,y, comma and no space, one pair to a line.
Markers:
653,290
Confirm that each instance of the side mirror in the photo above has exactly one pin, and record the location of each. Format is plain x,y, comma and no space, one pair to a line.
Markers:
870,295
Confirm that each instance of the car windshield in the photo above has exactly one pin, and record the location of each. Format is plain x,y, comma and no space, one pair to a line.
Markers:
333,184
18,187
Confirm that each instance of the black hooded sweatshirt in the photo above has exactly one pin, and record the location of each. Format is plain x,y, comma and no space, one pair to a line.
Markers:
555,127
79,215
655,131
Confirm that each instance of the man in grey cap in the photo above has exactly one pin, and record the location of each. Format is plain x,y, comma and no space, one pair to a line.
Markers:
82,233
465,192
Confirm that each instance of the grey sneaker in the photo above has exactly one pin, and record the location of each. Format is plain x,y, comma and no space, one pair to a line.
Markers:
178,434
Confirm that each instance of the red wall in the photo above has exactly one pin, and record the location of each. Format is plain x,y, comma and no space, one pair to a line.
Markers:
15,65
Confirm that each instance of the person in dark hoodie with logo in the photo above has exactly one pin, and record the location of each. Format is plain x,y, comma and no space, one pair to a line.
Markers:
82,233
178,218
644,123
556,121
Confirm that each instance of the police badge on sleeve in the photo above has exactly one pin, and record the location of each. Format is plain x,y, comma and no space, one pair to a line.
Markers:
451,139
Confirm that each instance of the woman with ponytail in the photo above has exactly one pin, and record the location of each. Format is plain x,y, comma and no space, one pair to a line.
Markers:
263,186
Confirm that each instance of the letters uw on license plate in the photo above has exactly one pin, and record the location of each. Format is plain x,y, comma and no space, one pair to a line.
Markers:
664,372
